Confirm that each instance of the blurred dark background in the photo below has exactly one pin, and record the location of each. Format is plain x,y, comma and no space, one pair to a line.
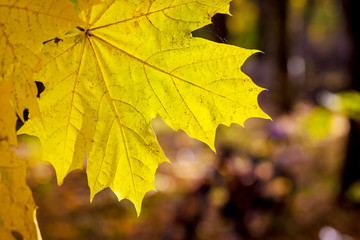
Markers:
296,177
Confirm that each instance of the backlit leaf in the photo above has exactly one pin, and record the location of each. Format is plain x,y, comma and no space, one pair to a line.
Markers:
24,26
128,63
17,205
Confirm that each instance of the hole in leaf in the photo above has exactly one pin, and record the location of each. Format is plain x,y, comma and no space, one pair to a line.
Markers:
26,114
40,87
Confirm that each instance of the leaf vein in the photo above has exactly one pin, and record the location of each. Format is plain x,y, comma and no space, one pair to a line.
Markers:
116,113
143,15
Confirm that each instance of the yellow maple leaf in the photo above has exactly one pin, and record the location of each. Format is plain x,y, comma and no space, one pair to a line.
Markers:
130,62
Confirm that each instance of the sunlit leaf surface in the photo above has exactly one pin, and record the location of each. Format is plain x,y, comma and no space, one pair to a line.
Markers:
129,62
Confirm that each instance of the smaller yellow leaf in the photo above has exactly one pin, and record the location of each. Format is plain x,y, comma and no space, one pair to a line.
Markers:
7,114
17,205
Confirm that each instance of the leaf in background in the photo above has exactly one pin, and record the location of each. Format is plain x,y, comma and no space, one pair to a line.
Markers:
24,26
7,114
17,205
130,62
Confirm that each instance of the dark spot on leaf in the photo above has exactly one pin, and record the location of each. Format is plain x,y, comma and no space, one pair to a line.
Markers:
17,235
87,32
56,40
80,28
